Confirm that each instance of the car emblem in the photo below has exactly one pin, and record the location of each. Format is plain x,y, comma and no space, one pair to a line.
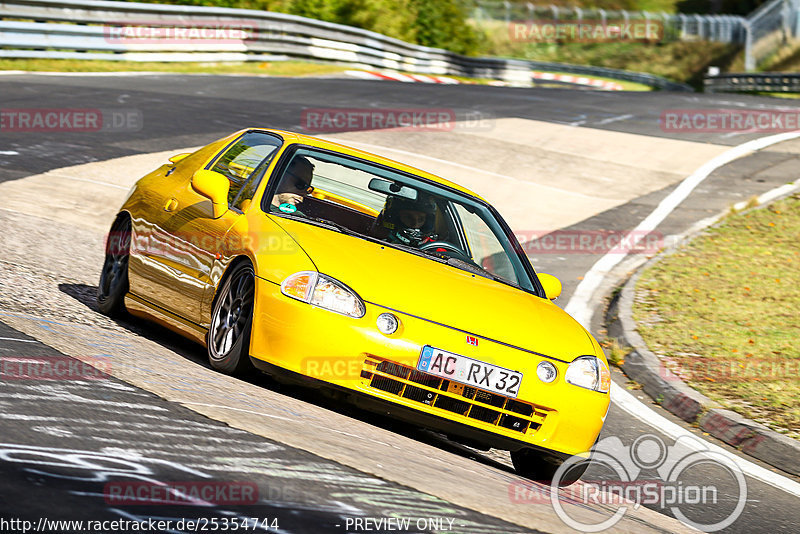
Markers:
471,340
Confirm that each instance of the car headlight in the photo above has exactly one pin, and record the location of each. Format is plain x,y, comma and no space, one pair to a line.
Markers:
323,291
589,372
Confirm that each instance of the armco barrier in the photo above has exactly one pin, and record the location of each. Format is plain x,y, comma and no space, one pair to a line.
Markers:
772,82
78,29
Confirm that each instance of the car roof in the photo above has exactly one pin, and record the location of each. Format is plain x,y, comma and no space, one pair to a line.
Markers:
293,137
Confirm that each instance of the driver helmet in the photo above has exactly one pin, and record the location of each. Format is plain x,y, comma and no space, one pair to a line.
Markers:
410,222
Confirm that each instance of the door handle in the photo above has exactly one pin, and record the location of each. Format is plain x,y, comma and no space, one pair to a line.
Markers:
171,205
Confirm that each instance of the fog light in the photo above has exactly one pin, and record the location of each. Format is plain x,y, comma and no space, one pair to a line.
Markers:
546,372
388,323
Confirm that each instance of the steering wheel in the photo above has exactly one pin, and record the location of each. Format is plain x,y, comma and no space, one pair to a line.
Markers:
445,248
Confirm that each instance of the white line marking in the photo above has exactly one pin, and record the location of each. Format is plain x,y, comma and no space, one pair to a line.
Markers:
9,153
462,166
615,119
579,305
633,406
19,340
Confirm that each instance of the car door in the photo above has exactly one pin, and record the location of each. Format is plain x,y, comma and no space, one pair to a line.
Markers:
152,204
196,239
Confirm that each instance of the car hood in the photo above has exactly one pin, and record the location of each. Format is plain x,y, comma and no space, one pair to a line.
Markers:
437,292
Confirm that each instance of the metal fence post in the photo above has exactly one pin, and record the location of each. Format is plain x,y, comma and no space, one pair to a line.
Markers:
796,16
785,21
749,60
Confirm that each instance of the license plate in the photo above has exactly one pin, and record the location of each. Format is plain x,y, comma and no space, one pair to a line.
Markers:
469,371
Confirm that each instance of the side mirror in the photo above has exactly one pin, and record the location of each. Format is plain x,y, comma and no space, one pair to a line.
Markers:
551,285
178,157
214,186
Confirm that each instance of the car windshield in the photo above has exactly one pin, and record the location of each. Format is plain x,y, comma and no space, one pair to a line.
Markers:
377,203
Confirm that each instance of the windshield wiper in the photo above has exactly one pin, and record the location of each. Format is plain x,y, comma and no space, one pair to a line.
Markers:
415,251
472,267
332,224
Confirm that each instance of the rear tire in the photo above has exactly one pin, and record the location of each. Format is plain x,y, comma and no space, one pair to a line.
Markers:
113,285
228,338
542,467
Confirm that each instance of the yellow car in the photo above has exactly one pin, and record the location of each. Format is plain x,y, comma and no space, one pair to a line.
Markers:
314,261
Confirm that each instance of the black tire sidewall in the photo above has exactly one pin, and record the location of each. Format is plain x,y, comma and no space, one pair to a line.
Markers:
542,468
113,304
237,361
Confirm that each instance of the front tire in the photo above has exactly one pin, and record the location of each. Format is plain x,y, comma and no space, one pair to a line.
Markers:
228,338
541,467
113,285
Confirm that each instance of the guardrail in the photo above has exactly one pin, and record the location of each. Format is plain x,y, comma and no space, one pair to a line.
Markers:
772,82
78,29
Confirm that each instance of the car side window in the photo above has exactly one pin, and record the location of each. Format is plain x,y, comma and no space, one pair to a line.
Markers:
244,164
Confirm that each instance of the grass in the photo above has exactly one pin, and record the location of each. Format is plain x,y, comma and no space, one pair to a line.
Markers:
272,68
615,353
723,313
683,61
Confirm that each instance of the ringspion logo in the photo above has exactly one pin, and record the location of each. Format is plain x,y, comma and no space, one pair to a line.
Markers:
676,477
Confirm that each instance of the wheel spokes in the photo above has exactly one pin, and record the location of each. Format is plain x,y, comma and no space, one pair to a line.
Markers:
233,313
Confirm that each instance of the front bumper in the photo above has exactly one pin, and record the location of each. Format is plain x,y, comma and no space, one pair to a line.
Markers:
351,353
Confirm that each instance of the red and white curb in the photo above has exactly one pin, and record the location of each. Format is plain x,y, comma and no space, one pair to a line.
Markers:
397,77
578,80
422,78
